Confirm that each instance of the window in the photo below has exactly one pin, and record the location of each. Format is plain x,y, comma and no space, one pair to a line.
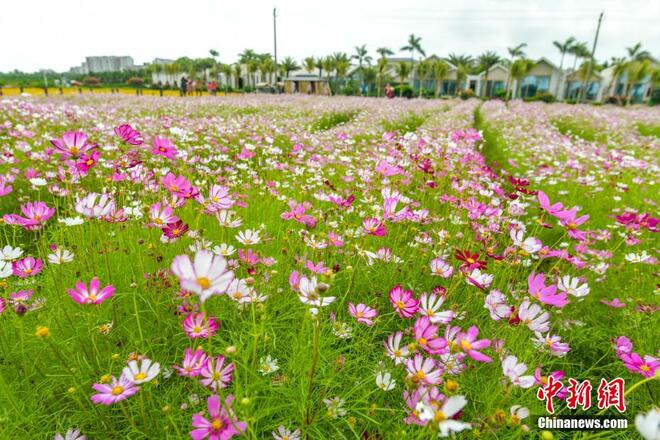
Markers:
534,84
449,87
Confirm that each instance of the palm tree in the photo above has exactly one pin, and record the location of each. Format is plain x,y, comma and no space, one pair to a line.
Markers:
252,68
463,64
402,70
440,69
362,55
381,70
289,64
424,70
227,72
579,50
238,71
414,46
619,67
310,64
514,52
246,56
636,72
328,64
340,62
486,61
369,77
563,48
519,70
635,53
267,68
384,52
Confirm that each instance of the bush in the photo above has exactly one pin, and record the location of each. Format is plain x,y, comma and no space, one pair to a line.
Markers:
467,94
135,81
404,90
91,81
545,97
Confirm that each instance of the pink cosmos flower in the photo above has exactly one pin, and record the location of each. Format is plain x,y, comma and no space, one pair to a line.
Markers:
615,303
571,222
441,268
2,305
623,345
544,201
423,370
116,391
163,147
96,205
192,364
552,343
197,326
27,267
426,335
362,313
220,425
341,202
128,134
215,374
161,215
297,212
178,186
82,295
72,144
218,199
403,302
335,239
318,268
175,230
646,366
558,375
468,343
373,226
545,294
496,304
36,214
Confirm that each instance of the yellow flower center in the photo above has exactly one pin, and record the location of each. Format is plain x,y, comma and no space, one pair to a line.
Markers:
466,345
204,282
74,150
471,260
422,341
117,390
140,376
400,304
216,424
439,416
645,368
197,329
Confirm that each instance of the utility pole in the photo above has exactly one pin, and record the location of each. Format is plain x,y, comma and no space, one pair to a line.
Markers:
585,87
275,39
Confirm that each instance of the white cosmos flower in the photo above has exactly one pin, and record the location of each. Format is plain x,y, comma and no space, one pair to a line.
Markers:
482,278
146,371
249,237
6,269
38,181
60,256
514,370
648,424
224,249
446,425
309,293
637,258
206,276
268,365
573,287
9,253
226,219
384,381
71,221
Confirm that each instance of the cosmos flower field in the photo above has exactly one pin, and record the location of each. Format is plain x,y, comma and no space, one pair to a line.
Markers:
323,268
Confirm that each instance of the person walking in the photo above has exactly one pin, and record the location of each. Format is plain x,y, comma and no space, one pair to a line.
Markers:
389,91
183,85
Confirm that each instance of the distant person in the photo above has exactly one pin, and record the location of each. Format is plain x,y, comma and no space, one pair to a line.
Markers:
309,88
189,87
183,86
213,86
389,91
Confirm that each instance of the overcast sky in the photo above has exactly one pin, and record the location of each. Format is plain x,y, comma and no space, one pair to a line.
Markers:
55,34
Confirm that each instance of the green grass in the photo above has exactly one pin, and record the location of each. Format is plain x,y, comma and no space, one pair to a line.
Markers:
648,130
45,383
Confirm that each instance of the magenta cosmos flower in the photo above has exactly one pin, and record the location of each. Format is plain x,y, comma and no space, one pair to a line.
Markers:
373,226
426,335
220,425
546,294
116,391
72,144
36,214
207,275
645,366
92,295
163,147
469,344
179,186
362,313
193,362
197,326
403,302
27,267
128,134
